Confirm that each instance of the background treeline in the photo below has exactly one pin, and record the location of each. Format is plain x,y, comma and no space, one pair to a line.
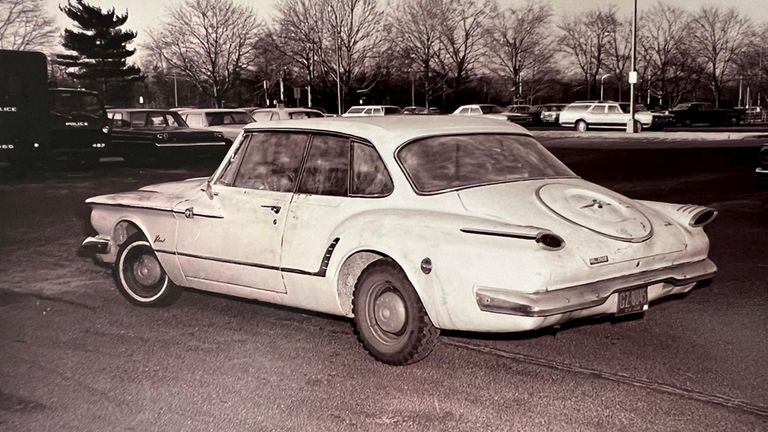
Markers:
444,53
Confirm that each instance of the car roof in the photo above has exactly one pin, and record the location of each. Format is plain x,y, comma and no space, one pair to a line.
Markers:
394,130
288,110
211,110
141,110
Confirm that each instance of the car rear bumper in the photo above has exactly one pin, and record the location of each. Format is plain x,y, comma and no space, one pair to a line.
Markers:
94,246
664,281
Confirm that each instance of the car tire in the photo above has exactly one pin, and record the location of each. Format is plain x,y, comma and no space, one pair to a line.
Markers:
140,277
390,320
582,126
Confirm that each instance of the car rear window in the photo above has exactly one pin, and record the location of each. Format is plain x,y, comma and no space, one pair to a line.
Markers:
448,162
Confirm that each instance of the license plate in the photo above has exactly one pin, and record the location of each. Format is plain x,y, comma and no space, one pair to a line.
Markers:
632,301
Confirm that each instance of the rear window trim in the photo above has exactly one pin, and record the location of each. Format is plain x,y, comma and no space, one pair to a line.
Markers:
460,188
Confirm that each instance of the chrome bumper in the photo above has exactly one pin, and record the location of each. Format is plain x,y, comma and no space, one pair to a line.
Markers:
94,246
761,170
589,295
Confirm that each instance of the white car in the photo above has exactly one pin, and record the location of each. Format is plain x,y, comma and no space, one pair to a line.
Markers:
408,224
491,111
227,121
606,115
372,110
270,114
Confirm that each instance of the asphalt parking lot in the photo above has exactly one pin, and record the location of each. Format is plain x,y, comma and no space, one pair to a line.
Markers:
76,356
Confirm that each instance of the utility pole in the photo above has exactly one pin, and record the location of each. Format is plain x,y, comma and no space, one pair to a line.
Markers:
631,126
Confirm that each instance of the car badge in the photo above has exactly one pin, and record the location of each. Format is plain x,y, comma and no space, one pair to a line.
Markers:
598,260
595,203
189,212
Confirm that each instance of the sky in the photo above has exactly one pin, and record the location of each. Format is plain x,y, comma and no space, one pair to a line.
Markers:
146,14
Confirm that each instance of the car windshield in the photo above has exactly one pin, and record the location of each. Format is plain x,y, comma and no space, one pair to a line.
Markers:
356,110
553,108
683,106
227,118
442,163
491,109
67,103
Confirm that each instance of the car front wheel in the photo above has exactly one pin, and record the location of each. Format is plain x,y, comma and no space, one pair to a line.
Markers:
581,126
390,320
140,277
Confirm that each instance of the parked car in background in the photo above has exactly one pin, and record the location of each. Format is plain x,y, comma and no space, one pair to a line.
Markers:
406,225
550,113
421,110
372,110
414,110
690,113
269,114
532,112
227,121
491,111
140,134
605,115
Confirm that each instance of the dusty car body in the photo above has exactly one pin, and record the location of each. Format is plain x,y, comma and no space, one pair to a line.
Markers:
492,112
607,115
408,224
270,114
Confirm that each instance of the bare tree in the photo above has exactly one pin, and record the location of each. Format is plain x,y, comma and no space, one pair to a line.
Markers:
585,37
24,25
208,41
299,34
619,49
520,44
718,36
352,40
462,35
665,45
417,24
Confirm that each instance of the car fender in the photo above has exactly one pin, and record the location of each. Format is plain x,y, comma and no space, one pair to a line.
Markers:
435,239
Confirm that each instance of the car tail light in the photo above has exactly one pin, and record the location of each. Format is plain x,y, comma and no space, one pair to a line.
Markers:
550,241
702,216
764,155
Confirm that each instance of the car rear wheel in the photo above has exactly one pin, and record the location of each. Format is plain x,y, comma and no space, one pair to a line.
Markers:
582,126
140,277
390,320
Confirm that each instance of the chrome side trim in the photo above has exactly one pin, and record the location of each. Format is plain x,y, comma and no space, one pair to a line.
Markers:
588,295
191,144
761,170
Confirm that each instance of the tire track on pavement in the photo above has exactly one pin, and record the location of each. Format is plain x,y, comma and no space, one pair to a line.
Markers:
721,400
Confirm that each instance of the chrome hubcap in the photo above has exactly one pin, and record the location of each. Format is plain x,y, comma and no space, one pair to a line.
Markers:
389,311
147,270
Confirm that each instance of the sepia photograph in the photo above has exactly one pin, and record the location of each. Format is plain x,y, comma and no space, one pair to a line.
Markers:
384,215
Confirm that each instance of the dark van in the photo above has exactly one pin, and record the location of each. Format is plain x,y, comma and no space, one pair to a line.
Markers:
38,122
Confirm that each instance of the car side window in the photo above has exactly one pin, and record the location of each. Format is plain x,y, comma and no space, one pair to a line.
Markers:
118,122
369,175
271,161
326,171
368,111
261,115
464,111
194,120
138,119
475,111
613,109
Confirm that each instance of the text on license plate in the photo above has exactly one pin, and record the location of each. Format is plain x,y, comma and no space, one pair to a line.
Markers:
632,301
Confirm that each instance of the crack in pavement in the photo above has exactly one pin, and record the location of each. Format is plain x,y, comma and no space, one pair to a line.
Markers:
721,400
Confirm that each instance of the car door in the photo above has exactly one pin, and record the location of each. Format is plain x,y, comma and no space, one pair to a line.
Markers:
232,234
615,117
330,192
595,116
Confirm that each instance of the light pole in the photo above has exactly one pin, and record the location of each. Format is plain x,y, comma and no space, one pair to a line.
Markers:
602,79
631,126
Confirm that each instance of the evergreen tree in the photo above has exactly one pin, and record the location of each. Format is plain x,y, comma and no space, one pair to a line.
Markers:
101,49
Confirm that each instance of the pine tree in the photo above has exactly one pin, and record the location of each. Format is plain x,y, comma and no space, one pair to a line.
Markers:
101,49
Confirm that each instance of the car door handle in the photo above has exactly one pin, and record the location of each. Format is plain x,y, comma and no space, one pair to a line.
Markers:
275,208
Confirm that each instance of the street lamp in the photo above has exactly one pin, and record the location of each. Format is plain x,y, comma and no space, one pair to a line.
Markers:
631,126
602,79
